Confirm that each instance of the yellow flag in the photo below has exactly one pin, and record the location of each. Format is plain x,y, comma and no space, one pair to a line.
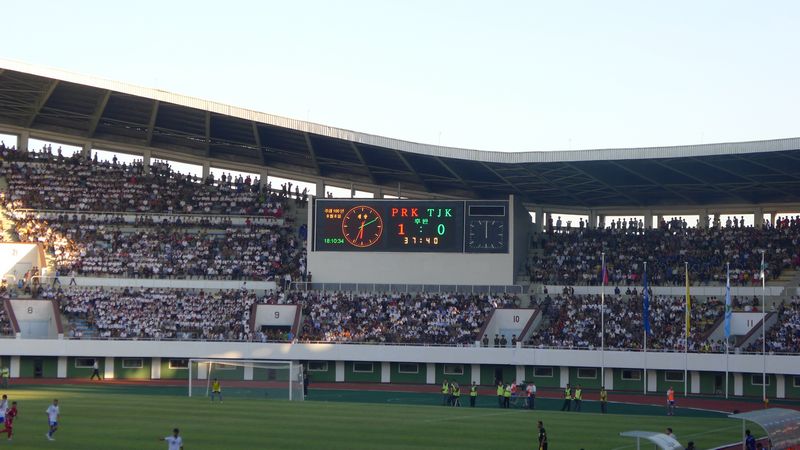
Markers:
688,306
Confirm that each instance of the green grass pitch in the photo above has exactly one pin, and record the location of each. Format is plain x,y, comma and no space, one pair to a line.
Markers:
115,417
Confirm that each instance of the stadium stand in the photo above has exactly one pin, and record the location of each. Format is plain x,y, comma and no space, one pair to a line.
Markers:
784,336
396,318
574,258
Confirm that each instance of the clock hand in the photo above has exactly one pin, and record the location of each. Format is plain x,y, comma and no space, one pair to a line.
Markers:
361,231
365,224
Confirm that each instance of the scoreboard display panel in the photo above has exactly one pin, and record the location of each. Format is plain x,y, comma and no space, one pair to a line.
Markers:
439,226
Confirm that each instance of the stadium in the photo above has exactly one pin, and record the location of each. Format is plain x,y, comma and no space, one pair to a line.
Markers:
165,241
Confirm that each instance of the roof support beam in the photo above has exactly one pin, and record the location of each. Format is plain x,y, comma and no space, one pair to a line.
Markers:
313,154
512,186
257,140
41,102
98,113
151,125
412,171
208,132
551,185
700,181
655,183
360,157
456,176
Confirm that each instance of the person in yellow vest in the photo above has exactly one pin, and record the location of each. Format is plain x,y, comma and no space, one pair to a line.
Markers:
216,389
507,396
445,392
567,399
578,397
456,394
473,394
500,391
603,400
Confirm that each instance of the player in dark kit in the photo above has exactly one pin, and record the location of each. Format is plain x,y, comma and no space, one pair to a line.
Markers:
10,415
542,436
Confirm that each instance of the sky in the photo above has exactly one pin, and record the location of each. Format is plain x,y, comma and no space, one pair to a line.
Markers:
499,75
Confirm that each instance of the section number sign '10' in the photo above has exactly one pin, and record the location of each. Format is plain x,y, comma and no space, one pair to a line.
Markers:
401,226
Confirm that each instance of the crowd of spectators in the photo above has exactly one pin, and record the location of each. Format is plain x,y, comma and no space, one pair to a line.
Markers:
575,322
160,313
575,258
166,249
784,336
47,181
397,318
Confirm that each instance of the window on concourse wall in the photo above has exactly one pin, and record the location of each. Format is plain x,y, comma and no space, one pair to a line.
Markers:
454,369
9,140
673,376
363,367
587,373
543,372
318,366
408,368
735,220
122,158
132,363
178,364
67,150
631,375
84,363
756,378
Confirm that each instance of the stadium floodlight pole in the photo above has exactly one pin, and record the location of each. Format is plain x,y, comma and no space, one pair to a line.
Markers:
763,329
686,340
727,337
644,330
603,320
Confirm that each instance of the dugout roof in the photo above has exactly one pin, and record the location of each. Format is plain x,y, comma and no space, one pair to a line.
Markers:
782,425
742,173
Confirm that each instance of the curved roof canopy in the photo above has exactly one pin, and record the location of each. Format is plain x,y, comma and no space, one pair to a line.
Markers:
37,98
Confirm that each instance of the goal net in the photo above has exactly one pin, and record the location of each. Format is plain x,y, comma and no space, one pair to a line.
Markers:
282,380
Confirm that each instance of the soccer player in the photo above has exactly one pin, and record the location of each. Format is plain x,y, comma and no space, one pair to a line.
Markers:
174,442
9,420
52,419
3,408
216,389
542,436
95,371
670,401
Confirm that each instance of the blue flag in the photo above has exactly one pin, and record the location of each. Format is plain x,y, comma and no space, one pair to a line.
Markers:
728,308
646,311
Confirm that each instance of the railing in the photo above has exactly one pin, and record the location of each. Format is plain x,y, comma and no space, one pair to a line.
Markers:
407,288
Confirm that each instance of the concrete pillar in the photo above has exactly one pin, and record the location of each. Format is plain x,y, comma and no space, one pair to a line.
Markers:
592,220
61,372
378,192
539,225
263,178
609,378
601,221
780,386
520,374
694,382
476,374
13,367
147,155
248,373
773,217
738,384
206,169
320,189
386,373
704,219
758,218
155,369
430,373
563,376
86,151
339,371
22,140
109,368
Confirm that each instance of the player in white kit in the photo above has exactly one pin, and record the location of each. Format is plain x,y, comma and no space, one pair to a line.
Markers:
52,418
174,442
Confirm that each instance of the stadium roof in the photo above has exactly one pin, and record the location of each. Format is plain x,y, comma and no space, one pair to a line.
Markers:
742,173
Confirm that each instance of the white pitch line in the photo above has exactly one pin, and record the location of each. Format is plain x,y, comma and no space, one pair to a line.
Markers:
475,416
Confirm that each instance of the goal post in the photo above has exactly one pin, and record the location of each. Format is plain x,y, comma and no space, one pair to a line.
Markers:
252,378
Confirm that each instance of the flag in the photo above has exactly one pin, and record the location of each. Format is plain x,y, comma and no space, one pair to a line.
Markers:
646,306
763,269
604,273
728,308
688,306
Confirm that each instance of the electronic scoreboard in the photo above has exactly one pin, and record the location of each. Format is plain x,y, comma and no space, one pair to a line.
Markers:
439,226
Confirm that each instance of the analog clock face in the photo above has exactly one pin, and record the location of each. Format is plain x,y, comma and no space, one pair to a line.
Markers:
486,235
362,226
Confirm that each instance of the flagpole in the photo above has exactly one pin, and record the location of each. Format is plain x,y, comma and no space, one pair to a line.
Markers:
686,340
603,320
644,329
763,330
727,318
